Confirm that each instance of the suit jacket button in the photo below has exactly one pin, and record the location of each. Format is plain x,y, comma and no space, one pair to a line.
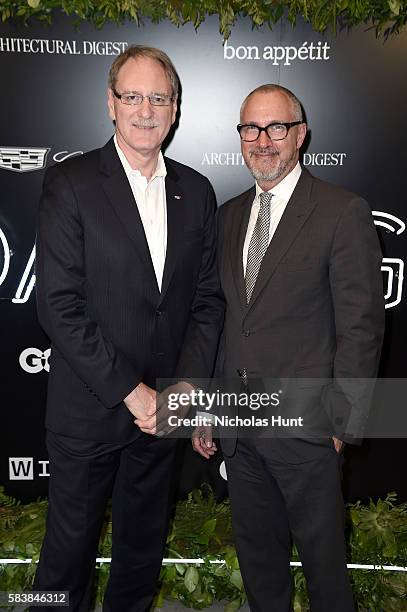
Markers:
158,313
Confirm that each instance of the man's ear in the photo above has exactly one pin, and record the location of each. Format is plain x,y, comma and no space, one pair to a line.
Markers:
110,104
302,132
174,110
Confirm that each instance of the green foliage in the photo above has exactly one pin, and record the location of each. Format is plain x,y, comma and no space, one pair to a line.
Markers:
21,533
201,528
386,16
378,535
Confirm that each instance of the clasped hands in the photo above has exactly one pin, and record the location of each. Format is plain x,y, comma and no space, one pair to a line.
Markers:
151,410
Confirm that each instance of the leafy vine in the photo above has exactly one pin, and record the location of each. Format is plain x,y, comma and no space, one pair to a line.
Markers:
386,16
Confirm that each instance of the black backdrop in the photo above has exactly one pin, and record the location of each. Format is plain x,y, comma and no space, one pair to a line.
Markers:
353,88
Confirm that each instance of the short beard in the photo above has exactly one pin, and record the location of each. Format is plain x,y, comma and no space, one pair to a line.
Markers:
267,176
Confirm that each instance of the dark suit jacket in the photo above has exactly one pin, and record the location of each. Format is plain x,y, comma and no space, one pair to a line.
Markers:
98,298
317,309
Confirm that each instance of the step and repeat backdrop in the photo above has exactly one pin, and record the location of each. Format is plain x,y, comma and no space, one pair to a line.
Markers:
53,106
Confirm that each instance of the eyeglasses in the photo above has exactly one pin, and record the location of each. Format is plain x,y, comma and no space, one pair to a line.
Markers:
135,99
275,131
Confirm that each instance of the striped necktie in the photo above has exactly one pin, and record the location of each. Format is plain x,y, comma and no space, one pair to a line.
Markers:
258,243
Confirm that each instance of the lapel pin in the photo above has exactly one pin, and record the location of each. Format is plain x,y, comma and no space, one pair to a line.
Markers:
177,197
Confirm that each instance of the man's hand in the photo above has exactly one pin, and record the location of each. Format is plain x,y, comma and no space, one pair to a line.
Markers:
338,444
158,424
141,402
202,441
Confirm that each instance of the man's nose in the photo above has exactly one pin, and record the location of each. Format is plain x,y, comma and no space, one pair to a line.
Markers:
144,109
264,139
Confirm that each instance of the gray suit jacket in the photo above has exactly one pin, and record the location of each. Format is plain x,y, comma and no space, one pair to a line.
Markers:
317,310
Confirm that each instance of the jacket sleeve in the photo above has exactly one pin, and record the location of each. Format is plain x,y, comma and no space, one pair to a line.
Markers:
199,348
61,287
357,295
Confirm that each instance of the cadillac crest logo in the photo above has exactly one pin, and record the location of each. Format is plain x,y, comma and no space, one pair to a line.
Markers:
23,159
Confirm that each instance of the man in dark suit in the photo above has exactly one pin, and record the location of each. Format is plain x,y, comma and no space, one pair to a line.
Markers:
127,291
299,262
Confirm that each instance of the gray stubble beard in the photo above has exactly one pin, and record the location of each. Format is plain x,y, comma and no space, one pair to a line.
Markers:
263,176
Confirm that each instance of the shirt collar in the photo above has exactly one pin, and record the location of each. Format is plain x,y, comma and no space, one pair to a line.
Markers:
160,169
284,188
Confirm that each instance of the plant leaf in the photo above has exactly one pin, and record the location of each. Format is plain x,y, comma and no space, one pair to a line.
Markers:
191,579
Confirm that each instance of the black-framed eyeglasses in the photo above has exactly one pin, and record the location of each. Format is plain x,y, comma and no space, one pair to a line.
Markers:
135,99
275,131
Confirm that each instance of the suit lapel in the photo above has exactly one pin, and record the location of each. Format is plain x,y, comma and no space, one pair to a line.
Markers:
295,215
119,193
238,231
175,226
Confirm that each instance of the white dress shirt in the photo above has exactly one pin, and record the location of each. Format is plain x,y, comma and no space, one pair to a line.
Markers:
281,195
152,205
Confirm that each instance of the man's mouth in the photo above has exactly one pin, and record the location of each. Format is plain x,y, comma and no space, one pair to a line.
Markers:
147,124
263,152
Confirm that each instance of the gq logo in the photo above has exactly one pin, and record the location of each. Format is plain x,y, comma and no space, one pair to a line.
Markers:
33,361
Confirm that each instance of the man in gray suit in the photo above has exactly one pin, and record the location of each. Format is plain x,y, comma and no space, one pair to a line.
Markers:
299,263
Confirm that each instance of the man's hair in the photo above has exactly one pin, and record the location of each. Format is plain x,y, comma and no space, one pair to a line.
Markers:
140,51
270,88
